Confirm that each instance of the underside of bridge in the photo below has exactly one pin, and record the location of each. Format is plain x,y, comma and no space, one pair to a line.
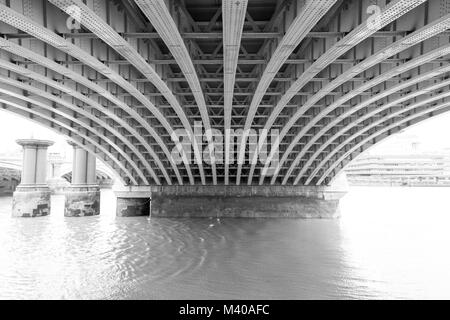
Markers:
102,179
319,81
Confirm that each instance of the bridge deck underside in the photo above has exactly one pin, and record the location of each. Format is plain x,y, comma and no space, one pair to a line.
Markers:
333,77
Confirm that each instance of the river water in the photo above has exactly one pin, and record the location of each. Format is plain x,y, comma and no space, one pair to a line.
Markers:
389,243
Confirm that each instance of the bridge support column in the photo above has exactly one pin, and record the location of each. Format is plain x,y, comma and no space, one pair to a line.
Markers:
32,196
232,201
83,196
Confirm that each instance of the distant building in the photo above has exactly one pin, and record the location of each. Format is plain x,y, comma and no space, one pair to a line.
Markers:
400,170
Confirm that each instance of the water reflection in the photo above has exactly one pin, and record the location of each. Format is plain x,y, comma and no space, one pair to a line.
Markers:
377,250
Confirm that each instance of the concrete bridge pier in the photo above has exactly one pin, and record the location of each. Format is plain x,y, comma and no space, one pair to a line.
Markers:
83,196
312,202
32,196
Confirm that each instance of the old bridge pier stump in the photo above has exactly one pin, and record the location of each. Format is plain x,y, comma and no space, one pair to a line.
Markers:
32,196
82,198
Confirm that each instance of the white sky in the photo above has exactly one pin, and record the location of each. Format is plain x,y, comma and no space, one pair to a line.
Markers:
433,134
14,127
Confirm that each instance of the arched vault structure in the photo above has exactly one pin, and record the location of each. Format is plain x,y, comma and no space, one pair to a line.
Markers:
122,79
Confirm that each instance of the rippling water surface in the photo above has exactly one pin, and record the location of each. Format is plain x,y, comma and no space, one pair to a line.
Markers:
390,243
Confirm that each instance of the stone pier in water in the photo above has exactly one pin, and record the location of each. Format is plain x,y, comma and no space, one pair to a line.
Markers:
32,196
83,196
232,201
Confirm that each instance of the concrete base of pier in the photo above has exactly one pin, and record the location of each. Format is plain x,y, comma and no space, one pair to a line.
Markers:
244,202
30,202
82,201
243,207
231,201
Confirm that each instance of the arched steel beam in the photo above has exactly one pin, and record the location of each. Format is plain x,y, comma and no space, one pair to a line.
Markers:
310,14
415,38
91,103
390,13
420,35
99,174
233,17
159,16
105,32
370,115
27,25
76,109
413,119
74,120
373,124
394,72
430,56
104,175
13,48
54,123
